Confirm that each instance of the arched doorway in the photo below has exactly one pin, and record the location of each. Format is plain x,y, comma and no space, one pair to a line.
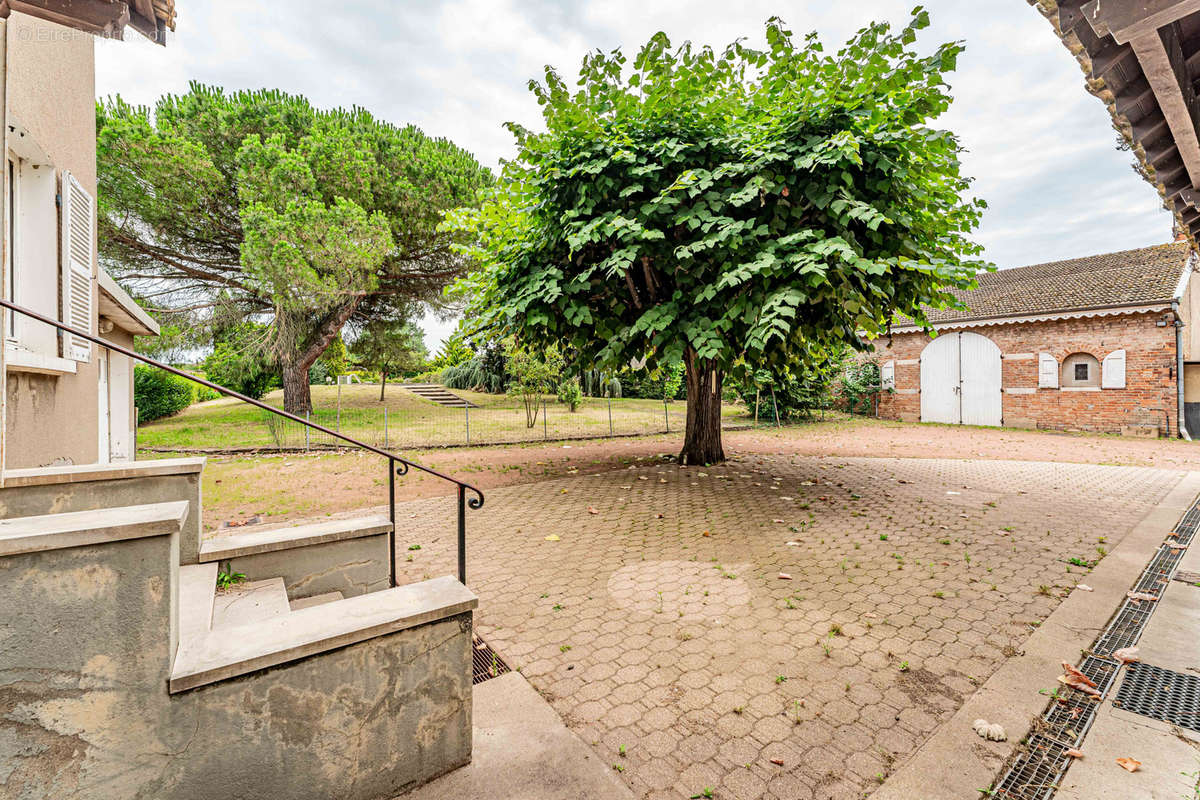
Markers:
960,380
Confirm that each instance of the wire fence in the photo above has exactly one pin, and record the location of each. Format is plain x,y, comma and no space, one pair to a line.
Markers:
500,423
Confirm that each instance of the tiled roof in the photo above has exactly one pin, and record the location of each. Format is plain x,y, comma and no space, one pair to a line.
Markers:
1146,276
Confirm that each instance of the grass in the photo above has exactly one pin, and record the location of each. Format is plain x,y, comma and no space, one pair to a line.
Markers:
411,420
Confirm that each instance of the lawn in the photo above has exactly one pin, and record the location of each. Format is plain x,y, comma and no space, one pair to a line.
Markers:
410,420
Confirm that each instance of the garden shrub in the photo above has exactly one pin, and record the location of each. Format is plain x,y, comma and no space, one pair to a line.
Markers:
158,393
570,394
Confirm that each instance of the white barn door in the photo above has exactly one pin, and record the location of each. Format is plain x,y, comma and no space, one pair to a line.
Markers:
960,380
939,380
980,368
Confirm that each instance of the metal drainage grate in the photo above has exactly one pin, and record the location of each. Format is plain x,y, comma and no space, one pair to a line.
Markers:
1037,773
1161,694
486,663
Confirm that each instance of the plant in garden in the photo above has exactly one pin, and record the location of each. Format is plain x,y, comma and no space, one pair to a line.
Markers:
158,394
389,348
747,207
570,394
306,219
239,360
534,374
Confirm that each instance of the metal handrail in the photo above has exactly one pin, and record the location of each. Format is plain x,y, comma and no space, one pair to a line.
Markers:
397,465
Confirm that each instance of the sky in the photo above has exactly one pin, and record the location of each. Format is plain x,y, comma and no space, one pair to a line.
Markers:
1042,150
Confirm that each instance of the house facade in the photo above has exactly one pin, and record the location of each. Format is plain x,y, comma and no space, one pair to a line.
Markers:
66,401
1096,344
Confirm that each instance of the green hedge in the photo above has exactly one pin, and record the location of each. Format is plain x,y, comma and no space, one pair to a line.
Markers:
160,394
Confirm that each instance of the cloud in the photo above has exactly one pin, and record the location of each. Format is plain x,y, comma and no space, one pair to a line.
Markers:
1039,146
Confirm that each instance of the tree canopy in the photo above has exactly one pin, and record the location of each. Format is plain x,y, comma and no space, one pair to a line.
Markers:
742,209
302,218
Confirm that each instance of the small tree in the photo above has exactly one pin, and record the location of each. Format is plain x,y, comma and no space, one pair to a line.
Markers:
533,375
733,208
389,349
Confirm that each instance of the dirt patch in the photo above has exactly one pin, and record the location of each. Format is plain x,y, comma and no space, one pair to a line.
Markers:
301,485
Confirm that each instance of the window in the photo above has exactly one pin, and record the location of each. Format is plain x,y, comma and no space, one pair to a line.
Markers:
1080,371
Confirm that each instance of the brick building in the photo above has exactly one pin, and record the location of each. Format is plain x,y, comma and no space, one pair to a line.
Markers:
1095,343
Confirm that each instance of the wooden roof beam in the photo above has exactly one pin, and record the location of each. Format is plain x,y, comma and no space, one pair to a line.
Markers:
93,16
1126,19
1160,54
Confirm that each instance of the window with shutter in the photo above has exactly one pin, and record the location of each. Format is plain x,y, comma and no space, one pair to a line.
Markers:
1112,370
1047,371
887,375
78,226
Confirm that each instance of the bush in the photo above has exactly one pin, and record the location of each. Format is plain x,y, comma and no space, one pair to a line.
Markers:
240,367
858,386
570,394
478,374
203,393
433,376
796,396
159,394
665,383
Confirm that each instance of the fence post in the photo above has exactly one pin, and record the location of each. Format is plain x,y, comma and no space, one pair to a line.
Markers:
385,429
545,425
467,416
776,405
666,417
610,427
306,429
757,394
339,404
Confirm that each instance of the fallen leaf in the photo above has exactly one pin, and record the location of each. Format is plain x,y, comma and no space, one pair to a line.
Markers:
1083,586
1075,673
707,533
1140,596
785,498
777,761
552,537
593,510
793,544
658,516
1074,753
777,521
1126,655
783,576
1130,764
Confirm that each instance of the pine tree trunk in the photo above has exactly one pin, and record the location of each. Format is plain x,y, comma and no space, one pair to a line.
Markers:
702,439
296,396
382,385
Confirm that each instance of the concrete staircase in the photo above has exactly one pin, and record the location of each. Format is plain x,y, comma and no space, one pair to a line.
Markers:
211,693
436,393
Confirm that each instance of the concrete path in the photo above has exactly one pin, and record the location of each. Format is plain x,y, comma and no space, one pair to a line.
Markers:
523,751
955,762
1170,755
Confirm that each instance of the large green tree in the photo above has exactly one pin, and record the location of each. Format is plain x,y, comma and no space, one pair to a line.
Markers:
747,208
742,209
302,218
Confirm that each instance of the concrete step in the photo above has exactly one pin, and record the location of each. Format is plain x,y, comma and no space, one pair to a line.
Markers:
251,539
247,603
251,645
81,528
438,394
318,599
197,590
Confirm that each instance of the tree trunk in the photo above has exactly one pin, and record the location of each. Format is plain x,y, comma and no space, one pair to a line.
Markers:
296,396
702,439
382,385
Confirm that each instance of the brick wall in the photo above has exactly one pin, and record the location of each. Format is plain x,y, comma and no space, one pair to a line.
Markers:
1149,373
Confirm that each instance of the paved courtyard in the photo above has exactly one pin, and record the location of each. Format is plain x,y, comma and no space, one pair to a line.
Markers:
778,627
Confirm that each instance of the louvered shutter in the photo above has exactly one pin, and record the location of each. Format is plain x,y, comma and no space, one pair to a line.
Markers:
1047,371
887,375
1112,370
78,245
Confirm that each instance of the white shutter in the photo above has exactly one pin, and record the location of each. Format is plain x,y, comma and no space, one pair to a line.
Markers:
1047,371
887,375
1112,370
78,247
